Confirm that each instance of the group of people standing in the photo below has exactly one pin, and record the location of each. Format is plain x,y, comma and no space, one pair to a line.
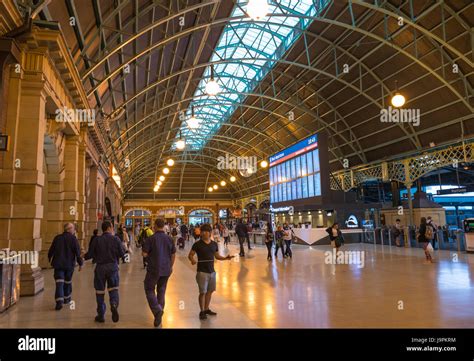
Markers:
282,238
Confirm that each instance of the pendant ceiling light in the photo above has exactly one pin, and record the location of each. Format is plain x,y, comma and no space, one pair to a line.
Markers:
193,122
398,100
257,9
212,88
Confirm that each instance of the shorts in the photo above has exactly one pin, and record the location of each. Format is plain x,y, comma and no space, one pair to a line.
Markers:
206,282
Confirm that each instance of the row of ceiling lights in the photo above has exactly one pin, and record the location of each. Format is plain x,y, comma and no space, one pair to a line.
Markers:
161,178
263,164
256,9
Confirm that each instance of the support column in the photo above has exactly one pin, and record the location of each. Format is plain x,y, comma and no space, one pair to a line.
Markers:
9,54
92,205
71,195
54,212
81,189
22,176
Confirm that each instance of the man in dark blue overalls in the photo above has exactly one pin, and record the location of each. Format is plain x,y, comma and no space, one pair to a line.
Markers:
160,252
106,252
62,255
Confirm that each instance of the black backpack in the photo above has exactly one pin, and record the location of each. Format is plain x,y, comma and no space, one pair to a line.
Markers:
174,232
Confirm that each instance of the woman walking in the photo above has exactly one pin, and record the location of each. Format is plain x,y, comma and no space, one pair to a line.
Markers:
269,242
288,237
279,242
335,236
225,234
216,234
424,239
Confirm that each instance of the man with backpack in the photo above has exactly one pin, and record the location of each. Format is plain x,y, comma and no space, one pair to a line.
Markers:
145,232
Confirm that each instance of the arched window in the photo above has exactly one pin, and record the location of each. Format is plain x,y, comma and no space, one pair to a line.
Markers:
137,218
138,213
200,216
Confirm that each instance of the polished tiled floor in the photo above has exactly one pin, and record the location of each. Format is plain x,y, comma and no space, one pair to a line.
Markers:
394,289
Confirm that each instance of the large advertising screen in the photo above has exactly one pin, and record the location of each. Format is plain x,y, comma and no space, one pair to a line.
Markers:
295,172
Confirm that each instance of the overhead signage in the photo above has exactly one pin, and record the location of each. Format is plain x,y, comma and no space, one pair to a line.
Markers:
289,209
455,190
296,149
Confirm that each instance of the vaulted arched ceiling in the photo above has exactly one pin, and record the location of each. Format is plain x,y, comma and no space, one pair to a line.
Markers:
142,63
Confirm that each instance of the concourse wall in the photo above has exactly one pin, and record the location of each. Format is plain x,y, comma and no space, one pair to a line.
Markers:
51,174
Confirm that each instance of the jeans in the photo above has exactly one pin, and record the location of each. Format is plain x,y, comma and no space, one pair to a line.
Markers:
241,243
63,279
106,275
288,251
279,245
155,289
269,249
248,242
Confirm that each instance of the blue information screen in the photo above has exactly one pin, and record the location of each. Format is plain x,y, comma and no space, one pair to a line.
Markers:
295,172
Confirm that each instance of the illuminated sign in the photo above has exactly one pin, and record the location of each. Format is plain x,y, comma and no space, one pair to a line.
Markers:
352,222
289,209
296,149
295,172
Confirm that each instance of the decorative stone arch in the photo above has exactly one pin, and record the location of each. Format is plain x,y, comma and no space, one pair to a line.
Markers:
137,209
264,202
214,215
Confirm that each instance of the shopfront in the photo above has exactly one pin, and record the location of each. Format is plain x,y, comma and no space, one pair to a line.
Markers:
137,218
200,216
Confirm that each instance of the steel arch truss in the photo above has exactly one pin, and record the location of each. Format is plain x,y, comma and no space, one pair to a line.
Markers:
141,69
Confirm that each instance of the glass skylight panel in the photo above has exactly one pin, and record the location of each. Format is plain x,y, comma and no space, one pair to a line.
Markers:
245,53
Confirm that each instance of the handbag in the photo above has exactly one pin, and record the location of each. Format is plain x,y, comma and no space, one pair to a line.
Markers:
429,248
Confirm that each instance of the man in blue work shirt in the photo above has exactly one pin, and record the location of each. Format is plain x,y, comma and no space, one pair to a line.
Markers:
106,252
63,254
160,252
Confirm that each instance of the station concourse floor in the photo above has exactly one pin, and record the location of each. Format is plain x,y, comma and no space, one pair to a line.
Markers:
303,292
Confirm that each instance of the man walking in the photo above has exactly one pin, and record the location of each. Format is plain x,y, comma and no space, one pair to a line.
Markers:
206,251
63,254
144,234
243,235
106,252
160,251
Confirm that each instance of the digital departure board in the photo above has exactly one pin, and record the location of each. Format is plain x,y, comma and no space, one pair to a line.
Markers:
295,172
